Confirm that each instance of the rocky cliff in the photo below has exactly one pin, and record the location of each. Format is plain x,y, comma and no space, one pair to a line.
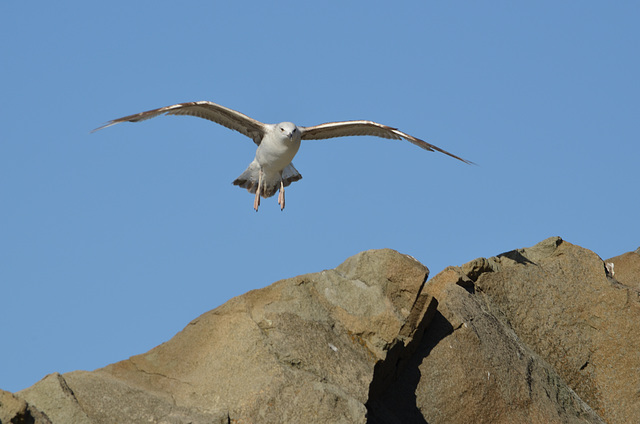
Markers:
546,334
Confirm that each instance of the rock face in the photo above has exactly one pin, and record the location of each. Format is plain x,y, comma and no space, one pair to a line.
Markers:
17,411
626,268
563,304
538,335
302,350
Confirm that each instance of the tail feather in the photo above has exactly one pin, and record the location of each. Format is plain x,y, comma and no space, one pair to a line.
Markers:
270,186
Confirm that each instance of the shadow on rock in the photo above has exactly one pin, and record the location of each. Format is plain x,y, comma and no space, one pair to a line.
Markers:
392,393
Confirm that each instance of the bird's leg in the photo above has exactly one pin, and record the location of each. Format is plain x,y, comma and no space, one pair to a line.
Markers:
256,202
281,196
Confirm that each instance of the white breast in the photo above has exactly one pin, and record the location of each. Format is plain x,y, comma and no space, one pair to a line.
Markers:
276,151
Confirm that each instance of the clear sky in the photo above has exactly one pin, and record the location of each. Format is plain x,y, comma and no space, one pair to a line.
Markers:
112,242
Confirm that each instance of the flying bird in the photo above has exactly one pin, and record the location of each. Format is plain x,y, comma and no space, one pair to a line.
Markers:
272,170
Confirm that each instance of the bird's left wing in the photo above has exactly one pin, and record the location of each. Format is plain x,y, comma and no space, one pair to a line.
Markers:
207,110
351,128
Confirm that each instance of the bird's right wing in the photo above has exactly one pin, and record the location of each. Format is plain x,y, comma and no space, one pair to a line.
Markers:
207,110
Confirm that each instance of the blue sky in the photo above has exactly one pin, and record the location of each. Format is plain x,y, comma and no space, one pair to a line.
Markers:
112,242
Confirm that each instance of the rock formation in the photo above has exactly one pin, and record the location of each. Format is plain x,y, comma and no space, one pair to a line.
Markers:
538,335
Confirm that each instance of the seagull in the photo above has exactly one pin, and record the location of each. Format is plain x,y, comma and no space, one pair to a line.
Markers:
272,170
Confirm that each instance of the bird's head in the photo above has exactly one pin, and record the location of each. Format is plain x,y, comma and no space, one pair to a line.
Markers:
289,130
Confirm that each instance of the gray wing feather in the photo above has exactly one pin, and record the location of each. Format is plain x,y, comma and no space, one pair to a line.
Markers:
207,110
354,128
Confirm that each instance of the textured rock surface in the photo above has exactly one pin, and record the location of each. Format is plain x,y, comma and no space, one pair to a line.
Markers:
563,304
544,334
627,268
16,411
484,369
301,350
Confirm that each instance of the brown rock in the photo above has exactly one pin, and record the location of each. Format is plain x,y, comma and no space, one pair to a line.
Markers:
626,268
472,368
14,410
539,335
562,303
305,349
